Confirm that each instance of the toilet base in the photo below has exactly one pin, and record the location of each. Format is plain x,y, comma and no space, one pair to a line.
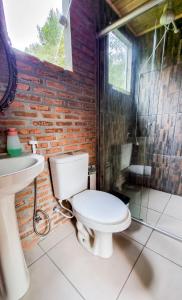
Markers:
96,242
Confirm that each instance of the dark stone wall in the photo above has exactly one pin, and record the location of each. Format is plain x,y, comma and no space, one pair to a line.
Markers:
116,110
159,102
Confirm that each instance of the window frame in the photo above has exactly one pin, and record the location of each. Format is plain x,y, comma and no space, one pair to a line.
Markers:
129,46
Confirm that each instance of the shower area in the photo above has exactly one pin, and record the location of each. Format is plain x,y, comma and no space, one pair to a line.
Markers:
140,110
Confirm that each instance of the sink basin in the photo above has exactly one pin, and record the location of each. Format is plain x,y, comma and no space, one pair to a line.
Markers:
15,174
18,172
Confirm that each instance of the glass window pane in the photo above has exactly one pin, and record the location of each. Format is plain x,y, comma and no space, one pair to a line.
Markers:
119,62
39,32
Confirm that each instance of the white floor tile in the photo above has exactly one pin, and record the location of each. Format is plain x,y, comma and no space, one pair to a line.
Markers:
174,207
47,283
33,254
56,235
158,200
138,232
144,214
149,216
166,246
145,197
94,277
153,278
170,225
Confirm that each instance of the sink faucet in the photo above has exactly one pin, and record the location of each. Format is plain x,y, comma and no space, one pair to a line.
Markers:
33,143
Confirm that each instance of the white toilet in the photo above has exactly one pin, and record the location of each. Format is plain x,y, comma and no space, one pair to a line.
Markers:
98,214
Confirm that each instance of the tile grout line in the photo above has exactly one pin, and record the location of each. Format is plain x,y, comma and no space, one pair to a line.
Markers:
131,238
162,213
42,255
180,266
57,243
144,246
45,252
52,261
120,292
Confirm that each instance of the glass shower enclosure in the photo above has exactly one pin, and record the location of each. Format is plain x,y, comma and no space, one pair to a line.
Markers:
140,123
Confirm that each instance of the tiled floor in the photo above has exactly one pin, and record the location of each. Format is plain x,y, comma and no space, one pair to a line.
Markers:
158,209
146,265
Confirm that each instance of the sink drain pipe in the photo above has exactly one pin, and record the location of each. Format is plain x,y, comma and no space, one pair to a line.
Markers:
37,213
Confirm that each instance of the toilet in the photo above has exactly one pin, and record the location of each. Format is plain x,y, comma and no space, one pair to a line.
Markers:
98,214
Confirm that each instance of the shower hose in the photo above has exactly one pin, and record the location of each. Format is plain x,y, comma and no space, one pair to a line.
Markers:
37,213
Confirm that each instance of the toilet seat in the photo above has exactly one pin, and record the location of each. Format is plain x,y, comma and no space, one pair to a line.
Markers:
100,207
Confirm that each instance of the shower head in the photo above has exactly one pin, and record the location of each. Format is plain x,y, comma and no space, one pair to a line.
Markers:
168,17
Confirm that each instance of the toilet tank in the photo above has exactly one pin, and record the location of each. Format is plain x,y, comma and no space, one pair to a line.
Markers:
69,174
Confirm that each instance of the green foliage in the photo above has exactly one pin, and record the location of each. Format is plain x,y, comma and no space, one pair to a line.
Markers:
51,43
117,62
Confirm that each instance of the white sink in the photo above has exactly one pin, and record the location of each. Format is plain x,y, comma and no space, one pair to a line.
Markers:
15,174
18,172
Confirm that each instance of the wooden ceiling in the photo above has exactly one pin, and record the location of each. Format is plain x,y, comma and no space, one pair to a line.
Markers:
146,22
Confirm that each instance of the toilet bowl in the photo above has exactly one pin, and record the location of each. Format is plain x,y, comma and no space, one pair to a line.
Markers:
98,214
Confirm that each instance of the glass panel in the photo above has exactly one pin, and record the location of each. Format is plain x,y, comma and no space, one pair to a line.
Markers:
140,132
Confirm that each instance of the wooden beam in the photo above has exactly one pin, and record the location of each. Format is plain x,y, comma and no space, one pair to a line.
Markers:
114,8
124,20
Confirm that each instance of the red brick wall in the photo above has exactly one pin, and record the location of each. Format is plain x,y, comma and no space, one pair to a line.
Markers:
57,108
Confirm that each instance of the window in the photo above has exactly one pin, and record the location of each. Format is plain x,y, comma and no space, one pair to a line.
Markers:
120,62
33,27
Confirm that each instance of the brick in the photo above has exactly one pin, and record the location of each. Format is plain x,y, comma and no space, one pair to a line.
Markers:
71,148
19,203
23,66
56,85
54,130
25,114
29,78
8,123
51,101
17,104
51,116
40,107
73,129
71,117
42,123
46,138
42,145
28,97
53,150
62,109
57,107
56,144
23,87
44,91
64,123
29,131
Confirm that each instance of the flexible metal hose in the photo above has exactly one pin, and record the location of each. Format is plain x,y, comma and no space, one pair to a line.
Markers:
37,217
